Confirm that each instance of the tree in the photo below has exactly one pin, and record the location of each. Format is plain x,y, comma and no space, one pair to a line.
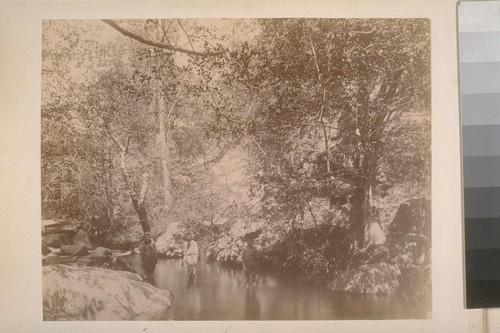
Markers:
75,168
166,80
334,92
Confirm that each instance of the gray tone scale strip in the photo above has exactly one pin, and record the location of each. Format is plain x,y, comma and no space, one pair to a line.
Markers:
480,77
482,264
481,171
478,16
479,46
482,202
481,140
482,233
480,109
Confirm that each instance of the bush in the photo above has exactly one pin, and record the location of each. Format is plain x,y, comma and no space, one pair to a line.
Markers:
321,252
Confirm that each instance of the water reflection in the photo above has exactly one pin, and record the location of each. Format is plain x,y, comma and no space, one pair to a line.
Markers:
219,293
252,305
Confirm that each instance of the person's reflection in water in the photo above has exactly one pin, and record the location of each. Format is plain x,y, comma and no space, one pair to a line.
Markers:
190,281
193,300
252,304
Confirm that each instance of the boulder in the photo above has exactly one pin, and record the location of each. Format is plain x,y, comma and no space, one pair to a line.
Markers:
101,252
53,240
377,278
82,239
166,244
74,250
374,235
45,250
108,262
412,217
91,293
59,226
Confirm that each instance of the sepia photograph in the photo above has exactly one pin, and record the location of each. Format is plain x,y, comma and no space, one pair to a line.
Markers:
236,169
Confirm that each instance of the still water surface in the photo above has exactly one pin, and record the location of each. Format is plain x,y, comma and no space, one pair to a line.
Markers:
219,293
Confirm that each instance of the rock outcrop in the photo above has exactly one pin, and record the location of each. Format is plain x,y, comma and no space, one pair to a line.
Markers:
91,293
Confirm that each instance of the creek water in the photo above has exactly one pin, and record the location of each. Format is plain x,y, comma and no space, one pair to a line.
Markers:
219,293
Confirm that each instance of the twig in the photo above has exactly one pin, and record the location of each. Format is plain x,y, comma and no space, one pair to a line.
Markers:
185,33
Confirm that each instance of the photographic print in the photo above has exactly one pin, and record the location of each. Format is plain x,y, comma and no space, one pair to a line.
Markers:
236,169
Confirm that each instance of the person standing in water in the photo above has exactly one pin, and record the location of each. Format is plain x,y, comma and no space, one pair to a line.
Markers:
250,263
190,256
149,257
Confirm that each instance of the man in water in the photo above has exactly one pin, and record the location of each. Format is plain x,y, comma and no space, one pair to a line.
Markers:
190,256
149,257
250,263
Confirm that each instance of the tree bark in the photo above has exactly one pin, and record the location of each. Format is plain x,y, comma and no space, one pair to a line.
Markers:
322,120
369,170
138,202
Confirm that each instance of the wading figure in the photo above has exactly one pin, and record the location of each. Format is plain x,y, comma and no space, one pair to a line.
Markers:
250,263
149,257
190,256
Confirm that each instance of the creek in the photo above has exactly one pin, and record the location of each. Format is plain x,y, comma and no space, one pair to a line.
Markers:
219,293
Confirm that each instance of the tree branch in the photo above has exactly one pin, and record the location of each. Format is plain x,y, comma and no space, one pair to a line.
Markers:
112,137
142,40
189,39
316,62
174,103
165,31
311,212
128,144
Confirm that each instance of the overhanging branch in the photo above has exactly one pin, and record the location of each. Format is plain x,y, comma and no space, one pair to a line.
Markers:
143,40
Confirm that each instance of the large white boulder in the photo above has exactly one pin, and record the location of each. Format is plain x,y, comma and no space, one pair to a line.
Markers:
374,235
91,293
166,245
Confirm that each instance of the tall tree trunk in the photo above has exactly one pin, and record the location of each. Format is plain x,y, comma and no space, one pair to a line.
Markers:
164,151
108,189
324,126
370,173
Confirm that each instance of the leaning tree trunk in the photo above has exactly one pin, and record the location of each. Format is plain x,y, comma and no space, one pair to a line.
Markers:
139,206
138,201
